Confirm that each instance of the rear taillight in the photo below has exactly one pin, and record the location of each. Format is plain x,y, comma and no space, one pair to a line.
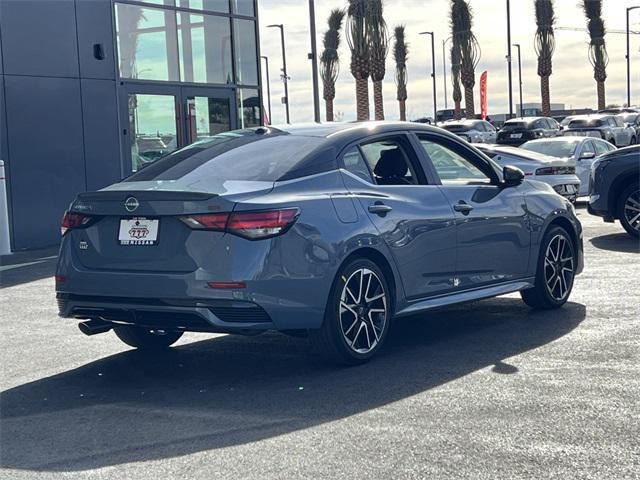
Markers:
250,225
73,220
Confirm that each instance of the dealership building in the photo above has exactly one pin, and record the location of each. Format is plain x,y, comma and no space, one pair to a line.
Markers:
92,90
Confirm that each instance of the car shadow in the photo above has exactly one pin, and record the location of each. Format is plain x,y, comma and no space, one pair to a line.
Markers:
616,242
234,390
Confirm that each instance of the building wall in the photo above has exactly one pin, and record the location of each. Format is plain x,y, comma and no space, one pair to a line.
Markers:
60,109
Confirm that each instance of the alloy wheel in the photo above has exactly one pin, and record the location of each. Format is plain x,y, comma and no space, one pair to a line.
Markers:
558,267
632,210
363,310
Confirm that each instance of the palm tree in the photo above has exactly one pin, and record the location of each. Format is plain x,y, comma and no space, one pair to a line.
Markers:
359,44
329,60
400,55
545,45
378,57
468,48
597,48
455,76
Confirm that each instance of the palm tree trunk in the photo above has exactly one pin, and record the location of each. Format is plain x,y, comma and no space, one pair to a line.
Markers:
546,94
457,112
468,103
377,100
601,99
403,110
362,98
328,106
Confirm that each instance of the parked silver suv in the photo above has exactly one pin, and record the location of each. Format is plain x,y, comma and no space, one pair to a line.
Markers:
473,131
608,127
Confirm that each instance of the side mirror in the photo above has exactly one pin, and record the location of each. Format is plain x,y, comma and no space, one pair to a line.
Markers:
587,156
512,176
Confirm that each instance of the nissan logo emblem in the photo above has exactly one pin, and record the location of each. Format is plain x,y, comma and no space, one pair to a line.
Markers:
131,204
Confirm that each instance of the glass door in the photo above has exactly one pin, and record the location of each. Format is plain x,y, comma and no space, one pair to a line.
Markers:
208,112
153,121
159,119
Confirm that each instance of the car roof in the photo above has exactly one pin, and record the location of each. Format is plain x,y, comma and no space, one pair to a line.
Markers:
524,119
331,129
592,116
463,121
564,138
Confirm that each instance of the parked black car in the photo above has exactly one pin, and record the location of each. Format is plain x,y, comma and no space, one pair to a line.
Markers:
519,130
615,190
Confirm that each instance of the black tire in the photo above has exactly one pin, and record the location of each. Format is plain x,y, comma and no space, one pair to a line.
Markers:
330,341
632,190
145,339
543,296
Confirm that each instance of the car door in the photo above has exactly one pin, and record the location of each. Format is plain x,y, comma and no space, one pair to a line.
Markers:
490,136
584,158
493,238
411,214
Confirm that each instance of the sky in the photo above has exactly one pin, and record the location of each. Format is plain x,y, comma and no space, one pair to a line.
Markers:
572,81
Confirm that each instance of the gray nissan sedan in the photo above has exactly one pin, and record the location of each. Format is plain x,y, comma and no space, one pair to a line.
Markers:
329,231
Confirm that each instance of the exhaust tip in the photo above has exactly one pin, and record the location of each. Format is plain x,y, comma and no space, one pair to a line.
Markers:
93,327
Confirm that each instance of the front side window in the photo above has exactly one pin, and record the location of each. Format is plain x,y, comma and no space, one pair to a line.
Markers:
452,167
587,148
602,147
389,163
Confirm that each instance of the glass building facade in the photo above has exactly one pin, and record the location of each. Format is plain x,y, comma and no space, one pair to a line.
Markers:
91,90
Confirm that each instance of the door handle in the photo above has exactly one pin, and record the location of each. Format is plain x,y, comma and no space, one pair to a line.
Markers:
379,208
462,207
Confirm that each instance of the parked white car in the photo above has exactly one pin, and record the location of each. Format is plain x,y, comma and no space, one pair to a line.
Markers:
582,150
473,131
560,173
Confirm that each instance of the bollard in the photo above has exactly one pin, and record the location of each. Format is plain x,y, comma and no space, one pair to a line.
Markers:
5,246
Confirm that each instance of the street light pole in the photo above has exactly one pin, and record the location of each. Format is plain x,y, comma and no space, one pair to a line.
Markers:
509,58
444,71
433,72
629,58
517,45
266,61
313,56
285,76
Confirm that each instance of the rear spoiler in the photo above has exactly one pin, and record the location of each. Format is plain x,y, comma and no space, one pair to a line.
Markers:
148,195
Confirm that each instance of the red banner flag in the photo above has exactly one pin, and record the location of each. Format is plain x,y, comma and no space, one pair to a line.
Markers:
483,95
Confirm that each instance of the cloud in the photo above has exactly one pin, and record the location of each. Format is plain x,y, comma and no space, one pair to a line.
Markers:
571,83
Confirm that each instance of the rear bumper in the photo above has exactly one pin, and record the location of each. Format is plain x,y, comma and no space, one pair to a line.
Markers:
197,315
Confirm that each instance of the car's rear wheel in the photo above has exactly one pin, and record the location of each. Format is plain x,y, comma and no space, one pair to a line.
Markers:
145,339
629,209
555,272
357,315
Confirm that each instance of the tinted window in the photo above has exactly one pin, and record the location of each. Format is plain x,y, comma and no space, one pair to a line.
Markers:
452,167
553,148
232,156
389,163
353,162
456,128
513,125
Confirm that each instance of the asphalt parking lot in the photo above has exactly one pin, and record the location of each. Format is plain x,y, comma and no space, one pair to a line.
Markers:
485,390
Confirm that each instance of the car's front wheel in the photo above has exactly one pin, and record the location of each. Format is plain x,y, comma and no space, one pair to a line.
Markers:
145,339
555,271
629,209
357,315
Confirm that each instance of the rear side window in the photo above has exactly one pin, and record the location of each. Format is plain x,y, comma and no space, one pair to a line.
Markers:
258,159
353,162
389,162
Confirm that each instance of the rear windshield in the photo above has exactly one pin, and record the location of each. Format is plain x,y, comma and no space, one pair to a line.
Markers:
245,157
585,123
514,125
554,149
458,128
